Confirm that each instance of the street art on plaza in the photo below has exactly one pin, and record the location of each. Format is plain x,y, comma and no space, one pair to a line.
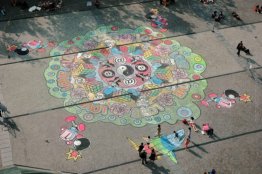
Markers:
226,100
164,145
132,68
72,137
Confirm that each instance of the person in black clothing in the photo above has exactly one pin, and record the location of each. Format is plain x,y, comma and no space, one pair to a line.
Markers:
152,156
97,3
210,132
241,47
214,14
2,10
176,134
143,156
140,148
257,9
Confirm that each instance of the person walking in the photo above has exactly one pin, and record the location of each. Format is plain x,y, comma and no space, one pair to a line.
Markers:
143,156
187,143
158,130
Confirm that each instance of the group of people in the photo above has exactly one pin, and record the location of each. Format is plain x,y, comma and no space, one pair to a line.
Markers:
206,129
258,9
144,150
207,1
218,17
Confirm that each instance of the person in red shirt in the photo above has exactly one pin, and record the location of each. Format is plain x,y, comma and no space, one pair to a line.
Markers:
187,143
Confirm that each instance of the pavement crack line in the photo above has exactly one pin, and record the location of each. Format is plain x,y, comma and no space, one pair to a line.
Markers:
102,99
127,44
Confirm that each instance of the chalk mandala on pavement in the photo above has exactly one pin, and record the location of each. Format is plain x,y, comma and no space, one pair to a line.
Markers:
132,69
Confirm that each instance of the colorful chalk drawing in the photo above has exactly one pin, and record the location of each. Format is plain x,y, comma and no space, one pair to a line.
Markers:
164,145
127,68
226,100
72,137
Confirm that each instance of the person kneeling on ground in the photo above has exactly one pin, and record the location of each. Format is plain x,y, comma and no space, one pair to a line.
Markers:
206,129
192,124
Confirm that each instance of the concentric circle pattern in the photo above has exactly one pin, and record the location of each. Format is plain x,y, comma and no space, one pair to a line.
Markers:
131,68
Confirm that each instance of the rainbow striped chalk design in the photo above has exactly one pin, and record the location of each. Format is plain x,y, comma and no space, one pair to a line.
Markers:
167,143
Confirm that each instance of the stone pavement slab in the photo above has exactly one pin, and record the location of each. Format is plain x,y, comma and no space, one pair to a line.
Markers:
236,149
111,153
220,59
184,18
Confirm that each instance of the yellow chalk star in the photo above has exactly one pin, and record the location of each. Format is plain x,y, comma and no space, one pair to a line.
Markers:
245,98
73,154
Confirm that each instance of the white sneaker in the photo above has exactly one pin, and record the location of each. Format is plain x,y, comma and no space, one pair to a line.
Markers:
32,9
38,8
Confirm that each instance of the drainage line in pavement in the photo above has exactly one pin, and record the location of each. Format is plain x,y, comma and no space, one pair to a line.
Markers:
146,90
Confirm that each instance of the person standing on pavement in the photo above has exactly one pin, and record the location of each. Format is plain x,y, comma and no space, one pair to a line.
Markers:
152,156
176,134
3,108
239,47
143,156
189,132
140,148
187,143
159,130
213,171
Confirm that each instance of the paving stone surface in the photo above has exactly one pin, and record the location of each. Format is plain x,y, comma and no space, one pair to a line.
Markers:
38,116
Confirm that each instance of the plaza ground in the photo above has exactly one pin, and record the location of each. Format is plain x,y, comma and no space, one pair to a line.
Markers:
237,148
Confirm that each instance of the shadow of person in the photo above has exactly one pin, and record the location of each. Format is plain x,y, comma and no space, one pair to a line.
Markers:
214,136
157,169
11,126
3,108
199,147
194,153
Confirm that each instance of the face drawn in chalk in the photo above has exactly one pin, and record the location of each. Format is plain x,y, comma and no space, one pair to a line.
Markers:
71,133
226,100
73,138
